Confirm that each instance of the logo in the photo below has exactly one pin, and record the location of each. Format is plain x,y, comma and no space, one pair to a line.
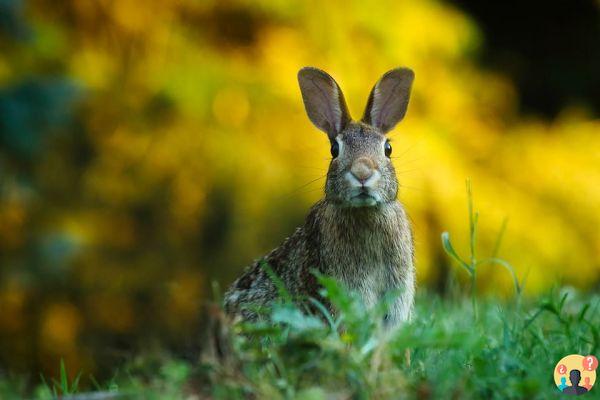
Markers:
575,374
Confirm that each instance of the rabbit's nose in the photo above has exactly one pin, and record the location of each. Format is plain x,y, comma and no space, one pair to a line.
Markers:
362,169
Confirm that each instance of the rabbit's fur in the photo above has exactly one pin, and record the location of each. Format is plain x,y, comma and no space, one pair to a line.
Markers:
358,233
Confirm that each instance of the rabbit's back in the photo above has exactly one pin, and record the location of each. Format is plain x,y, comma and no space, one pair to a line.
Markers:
289,264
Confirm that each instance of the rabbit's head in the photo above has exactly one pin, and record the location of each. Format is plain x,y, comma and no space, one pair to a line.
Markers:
361,173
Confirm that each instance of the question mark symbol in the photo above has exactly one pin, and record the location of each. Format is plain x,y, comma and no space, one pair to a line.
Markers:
590,363
562,369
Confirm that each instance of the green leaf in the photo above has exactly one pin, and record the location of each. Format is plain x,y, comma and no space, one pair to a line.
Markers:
508,267
449,249
294,318
326,314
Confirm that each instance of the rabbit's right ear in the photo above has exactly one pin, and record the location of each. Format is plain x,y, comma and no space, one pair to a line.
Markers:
389,99
323,100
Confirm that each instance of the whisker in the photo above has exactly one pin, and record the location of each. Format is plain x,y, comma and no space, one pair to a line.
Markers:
311,167
408,170
302,192
415,143
405,151
311,190
409,161
412,188
297,190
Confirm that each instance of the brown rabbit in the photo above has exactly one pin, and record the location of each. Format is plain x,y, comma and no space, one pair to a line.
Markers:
358,233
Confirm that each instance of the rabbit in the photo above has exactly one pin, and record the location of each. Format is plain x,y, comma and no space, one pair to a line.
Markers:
359,233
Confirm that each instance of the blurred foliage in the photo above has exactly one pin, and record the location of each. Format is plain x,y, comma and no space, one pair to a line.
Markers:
149,148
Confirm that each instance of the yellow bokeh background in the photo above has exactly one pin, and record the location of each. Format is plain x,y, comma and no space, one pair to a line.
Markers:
193,155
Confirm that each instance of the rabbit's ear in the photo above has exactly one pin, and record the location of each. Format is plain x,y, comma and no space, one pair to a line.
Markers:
323,100
389,99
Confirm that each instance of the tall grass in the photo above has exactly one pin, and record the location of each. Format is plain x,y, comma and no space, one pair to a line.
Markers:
472,264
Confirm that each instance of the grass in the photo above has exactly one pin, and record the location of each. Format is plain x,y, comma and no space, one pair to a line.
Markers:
505,353
459,347
508,352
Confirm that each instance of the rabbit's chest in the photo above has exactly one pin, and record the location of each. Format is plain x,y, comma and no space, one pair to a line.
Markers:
366,264
371,283
369,250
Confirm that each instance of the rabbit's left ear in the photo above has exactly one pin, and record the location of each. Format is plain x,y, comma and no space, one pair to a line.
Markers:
323,100
389,99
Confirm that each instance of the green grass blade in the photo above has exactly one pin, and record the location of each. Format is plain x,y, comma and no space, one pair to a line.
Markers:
449,249
64,380
75,383
500,237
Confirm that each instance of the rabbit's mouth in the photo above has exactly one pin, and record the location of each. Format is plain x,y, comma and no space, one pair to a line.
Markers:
363,199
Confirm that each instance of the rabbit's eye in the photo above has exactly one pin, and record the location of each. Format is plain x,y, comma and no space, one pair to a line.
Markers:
335,149
387,149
